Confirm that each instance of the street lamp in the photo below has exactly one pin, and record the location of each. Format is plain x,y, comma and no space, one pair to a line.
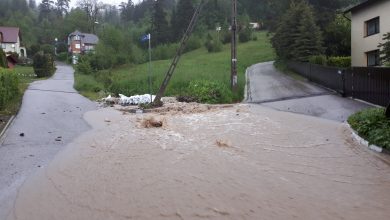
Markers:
218,29
55,46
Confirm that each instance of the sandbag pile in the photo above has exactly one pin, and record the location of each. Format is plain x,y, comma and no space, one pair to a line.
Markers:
136,99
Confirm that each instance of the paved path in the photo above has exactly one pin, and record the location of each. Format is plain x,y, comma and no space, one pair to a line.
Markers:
50,117
268,87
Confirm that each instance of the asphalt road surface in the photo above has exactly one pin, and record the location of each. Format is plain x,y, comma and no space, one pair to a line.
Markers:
51,116
268,87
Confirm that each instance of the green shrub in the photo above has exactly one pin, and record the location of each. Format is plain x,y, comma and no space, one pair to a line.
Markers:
193,43
213,45
211,92
343,62
372,125
48,49
226,38
84,66
3,59
87,83
319,60
9,87
164,51
245,35
43,64
63,56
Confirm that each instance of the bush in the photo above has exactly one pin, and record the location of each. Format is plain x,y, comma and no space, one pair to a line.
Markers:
213,45
193,43
3,59
164,51
43,64
84,66
373,126
245,35
343,62
87,83
211,92
48,49
9,86
227,38
62,56
319,60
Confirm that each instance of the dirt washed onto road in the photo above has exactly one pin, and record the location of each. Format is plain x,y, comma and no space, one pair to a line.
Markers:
228,162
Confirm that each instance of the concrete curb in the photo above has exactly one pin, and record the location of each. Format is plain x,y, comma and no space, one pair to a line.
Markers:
363,142
6,127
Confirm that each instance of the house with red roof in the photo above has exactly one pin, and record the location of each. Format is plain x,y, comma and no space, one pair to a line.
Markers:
10,40
81,43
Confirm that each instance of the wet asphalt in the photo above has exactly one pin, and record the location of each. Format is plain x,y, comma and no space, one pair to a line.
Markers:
269,87
50,117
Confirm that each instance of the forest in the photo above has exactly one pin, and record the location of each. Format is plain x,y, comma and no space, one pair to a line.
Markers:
120,26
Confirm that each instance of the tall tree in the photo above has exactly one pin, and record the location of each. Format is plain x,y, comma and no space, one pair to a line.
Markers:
45,9
92,8
62,6
160,28
183,15
32,4
127,10
385,49
309,40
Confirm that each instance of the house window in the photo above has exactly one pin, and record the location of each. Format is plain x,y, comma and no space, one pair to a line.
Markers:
372,26
77,46
3,46
373,58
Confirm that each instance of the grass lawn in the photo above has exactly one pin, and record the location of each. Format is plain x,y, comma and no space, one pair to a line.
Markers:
194,65
26,76
373,126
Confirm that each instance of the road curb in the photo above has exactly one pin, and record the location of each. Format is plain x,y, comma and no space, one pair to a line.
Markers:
364,142
6,127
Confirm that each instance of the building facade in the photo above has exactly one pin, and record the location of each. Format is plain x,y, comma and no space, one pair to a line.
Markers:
370,20
80,43
10,40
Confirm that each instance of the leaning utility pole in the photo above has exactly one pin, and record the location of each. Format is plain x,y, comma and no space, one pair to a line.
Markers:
183,42
234,46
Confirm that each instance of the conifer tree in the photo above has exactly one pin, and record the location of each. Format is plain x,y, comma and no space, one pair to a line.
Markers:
183,15
309,40
385,49
160,28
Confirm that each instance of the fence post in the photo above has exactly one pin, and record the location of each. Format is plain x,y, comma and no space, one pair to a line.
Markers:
342,74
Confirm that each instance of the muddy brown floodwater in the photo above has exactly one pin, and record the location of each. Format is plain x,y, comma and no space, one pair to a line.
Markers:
232,162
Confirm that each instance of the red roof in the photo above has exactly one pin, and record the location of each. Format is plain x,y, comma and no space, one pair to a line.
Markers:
10,34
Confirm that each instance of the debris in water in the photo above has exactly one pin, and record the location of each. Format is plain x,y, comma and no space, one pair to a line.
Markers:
151,122
21,134
222,143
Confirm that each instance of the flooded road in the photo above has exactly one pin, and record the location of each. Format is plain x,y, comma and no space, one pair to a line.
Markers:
240,162
50,117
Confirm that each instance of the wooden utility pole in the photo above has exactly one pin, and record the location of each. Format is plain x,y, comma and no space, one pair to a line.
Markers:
234,47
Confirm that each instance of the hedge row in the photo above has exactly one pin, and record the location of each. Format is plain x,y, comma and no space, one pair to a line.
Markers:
9,87
342,62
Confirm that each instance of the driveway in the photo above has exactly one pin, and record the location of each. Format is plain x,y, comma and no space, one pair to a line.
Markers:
269,87
51,116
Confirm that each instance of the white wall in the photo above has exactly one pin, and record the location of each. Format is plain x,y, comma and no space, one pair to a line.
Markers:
361,44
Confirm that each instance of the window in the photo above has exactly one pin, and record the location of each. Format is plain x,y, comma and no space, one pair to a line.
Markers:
3,46
372,26
373,58
77,46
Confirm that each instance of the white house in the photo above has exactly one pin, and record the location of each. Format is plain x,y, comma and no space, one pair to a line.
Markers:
10,40
370,20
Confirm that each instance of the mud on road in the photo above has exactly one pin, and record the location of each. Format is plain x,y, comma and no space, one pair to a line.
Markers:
237,162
